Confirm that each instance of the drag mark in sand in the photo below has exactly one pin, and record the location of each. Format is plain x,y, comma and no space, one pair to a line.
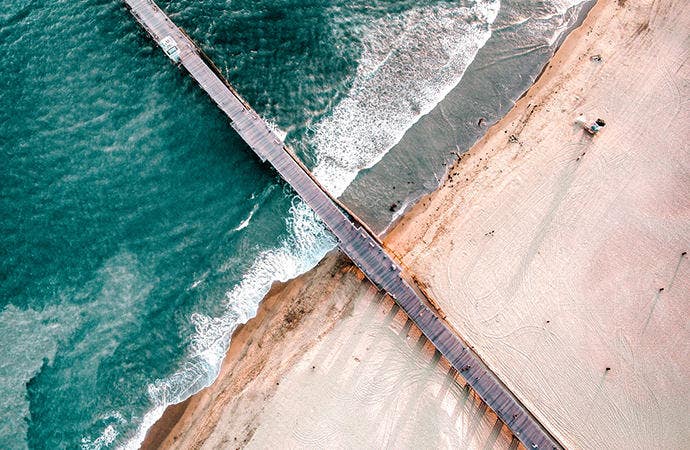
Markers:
658,293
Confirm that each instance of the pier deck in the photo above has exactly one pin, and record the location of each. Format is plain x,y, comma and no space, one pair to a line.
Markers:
355,239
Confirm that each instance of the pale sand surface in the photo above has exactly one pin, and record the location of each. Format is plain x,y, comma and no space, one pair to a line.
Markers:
340,368
549,266
547,254
376,382
289,320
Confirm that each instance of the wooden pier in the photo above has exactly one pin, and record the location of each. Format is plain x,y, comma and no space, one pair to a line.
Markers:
358,242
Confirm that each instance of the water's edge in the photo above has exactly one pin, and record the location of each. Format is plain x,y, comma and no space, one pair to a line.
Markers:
401,213
168,417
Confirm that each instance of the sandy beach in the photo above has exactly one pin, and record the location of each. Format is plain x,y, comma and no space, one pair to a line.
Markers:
338,364
557,255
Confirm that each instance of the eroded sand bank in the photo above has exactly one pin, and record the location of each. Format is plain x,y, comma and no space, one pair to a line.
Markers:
547,250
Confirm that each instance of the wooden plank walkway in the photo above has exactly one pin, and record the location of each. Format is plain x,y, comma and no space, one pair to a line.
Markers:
355,239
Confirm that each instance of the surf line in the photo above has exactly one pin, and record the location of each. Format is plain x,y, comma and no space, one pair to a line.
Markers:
355,239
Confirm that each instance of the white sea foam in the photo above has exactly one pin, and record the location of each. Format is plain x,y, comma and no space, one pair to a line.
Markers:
262,197
282,134
104,440
408,65
200,280
410,62
307,243
559,21
245,223
557,17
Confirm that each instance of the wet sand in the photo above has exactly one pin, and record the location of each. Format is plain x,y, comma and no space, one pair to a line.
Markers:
559,256
547,249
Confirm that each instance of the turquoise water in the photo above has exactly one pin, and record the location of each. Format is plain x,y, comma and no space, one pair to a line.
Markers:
138,230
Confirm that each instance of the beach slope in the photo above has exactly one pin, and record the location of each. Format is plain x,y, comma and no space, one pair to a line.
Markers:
557,255
560,256
331,362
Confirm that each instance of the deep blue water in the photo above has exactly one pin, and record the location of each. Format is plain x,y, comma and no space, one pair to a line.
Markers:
136,228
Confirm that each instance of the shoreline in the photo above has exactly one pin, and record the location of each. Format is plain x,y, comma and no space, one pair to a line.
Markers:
274,317
587,7
164,430
423,226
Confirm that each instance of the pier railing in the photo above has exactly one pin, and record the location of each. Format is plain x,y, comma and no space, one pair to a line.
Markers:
355,239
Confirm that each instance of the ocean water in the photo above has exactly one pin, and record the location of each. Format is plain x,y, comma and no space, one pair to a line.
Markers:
137,230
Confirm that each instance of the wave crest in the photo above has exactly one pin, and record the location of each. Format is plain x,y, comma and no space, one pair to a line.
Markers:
408,65
307,242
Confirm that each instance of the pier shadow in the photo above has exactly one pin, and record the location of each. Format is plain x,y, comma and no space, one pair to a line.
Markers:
384,362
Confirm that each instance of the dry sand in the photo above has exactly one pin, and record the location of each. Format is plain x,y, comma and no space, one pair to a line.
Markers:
342,367
547,251
375,382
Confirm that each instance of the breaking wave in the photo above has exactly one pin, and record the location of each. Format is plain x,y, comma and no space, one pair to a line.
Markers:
409,64
307,243
245,223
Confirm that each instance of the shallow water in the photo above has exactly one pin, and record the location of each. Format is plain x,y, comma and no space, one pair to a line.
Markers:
138,230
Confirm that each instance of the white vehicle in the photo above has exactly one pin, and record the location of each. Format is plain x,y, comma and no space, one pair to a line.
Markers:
170,48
